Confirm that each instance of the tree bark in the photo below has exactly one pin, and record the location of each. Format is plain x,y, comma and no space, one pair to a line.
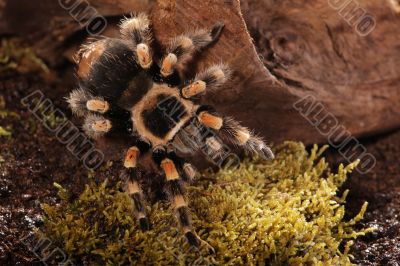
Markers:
303,50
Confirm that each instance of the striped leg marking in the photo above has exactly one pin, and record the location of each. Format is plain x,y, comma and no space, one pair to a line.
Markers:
231,130
241,136
210,79
182,48
132,186
175,190
137,30
96,126
82,103
210,120
131,157
98,105
190,171
101,116
169,169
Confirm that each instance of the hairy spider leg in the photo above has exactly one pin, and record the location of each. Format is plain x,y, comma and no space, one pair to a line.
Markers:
182,48
231,131
115,120
186,170
210,79
136,30
131,174
176,192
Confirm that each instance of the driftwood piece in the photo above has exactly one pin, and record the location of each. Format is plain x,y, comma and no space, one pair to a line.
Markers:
306,50
315,48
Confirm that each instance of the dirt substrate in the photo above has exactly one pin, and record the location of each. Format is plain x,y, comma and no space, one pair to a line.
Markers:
31,161
381,188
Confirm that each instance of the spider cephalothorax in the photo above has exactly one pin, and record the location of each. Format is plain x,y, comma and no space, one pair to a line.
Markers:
123,90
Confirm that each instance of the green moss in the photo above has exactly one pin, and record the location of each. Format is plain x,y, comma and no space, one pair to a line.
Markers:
4,132
280,212
13,55
51,119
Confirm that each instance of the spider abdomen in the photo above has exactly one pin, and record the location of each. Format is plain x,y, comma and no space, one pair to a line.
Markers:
106,67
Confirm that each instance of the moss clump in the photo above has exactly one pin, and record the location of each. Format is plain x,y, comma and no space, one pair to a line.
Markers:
5,131
280,212
14,56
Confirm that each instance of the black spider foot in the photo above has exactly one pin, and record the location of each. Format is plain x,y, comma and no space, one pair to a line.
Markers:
266,153
193,240
144,224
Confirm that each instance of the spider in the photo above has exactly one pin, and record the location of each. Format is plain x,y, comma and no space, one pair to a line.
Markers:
123,90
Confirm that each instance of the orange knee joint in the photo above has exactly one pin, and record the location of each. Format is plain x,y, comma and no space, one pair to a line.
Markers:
169,169
131,157
209,120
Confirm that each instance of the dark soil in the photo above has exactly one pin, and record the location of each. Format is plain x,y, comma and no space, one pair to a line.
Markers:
31,161
381,188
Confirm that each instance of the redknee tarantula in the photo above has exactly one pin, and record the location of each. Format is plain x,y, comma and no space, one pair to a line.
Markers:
123,90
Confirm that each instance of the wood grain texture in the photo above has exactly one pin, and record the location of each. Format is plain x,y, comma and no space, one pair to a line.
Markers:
313,50
302,49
